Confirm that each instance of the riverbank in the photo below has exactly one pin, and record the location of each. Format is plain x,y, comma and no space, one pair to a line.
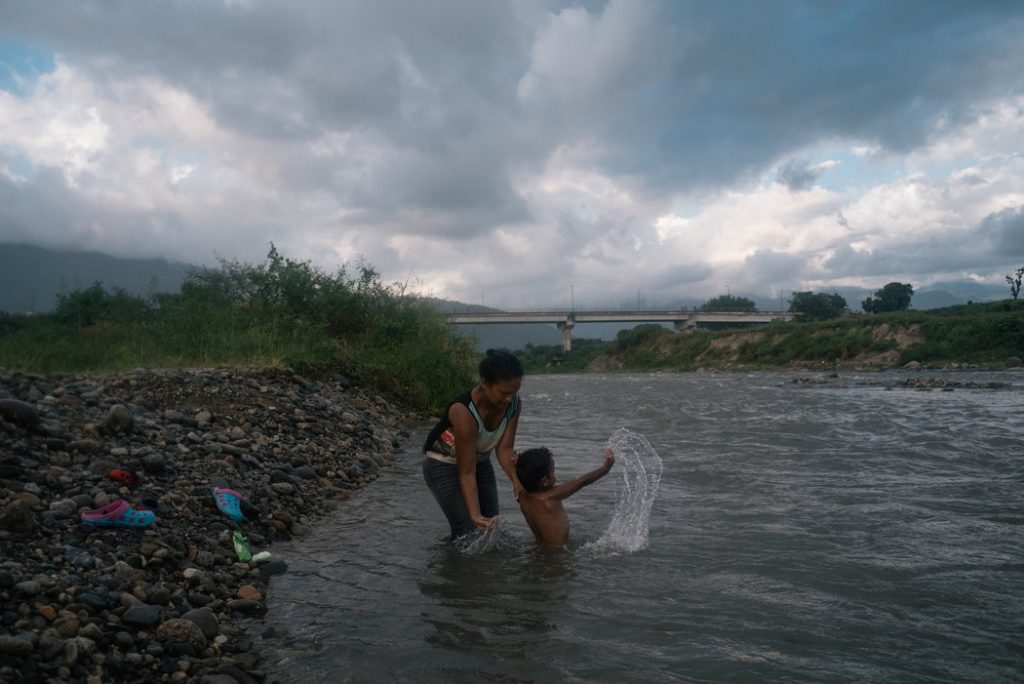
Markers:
977,336
162,603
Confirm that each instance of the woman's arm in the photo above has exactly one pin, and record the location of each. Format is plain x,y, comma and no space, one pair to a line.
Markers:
465,429
506,451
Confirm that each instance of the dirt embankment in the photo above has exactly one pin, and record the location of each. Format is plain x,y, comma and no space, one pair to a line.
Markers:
725,351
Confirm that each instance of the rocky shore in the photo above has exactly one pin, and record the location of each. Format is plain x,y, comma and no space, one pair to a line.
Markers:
88,603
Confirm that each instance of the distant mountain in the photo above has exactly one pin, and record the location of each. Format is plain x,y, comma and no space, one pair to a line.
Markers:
958,292
933,296
935,299
32,277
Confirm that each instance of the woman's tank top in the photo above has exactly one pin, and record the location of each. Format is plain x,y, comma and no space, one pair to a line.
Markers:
440,444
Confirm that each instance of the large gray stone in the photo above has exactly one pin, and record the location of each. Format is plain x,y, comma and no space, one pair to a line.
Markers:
141,615
205,620
15,646
181,631
119,420
16,518
19,412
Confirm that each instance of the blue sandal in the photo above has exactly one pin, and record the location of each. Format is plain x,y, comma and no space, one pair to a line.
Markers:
118,514
229,502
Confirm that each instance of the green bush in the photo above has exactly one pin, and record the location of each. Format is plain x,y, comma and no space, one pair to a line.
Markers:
279,312
979,338
552,359
638,336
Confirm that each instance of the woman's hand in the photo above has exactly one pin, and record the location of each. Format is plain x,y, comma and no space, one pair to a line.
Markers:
484,523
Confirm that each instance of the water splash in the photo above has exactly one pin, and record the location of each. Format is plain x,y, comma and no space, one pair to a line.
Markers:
476,543
640,466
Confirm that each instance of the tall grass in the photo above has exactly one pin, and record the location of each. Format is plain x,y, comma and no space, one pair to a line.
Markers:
993,339
987,333
281,312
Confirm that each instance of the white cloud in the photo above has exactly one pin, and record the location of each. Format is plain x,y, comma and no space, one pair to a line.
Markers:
517,148
56,125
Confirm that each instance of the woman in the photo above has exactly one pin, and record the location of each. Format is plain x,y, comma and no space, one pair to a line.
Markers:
457,467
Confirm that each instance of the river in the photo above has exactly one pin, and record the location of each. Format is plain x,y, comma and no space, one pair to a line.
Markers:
806,528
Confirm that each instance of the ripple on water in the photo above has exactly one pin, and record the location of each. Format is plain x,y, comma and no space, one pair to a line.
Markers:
799,534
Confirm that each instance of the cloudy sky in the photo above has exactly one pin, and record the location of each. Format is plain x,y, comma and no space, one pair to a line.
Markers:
518,153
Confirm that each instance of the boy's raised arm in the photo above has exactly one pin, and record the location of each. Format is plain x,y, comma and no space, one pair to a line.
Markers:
567,489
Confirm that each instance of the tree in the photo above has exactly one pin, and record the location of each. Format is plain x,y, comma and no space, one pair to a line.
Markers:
728,303
1014,282
83,308
892,297
816,306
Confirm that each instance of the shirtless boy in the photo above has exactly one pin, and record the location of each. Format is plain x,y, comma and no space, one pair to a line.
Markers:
541,497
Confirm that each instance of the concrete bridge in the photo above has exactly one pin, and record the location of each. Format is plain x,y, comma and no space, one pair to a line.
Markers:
681,319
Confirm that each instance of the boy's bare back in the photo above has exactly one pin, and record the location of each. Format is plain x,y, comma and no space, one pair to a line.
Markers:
543,509
546,517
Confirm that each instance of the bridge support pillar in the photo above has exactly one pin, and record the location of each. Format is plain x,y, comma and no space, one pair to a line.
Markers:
686,326
566,329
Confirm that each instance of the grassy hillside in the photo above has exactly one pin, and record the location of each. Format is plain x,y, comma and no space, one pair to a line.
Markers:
281,312
984,334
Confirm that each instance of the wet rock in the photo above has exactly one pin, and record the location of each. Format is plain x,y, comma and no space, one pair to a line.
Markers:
246,606
154,464
16,517
141,615
249,592
19,412
273,567
15,646
205,620
93,601
119,420
218,679
180,630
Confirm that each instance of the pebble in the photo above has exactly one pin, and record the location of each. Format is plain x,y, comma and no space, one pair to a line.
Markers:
162,603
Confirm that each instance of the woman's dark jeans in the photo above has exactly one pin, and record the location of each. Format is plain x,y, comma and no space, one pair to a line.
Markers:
443,481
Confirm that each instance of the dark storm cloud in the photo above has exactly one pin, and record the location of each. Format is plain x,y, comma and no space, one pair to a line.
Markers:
797,175
769,266
983,247
1004,230
430,85
860,263
702,93
40,212
563,131
683,274
755,80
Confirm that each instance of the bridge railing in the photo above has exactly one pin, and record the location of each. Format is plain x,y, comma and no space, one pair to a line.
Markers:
613,312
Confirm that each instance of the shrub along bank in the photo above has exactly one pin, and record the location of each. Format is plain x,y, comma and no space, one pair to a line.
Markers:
279,313
988,334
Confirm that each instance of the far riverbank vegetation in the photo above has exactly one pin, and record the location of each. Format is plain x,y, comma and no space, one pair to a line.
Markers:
289,313
985,334
281,312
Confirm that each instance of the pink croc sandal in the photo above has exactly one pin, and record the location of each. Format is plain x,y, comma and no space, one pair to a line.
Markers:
118,514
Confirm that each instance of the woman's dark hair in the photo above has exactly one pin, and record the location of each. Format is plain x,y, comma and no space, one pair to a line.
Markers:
499,365
532,466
